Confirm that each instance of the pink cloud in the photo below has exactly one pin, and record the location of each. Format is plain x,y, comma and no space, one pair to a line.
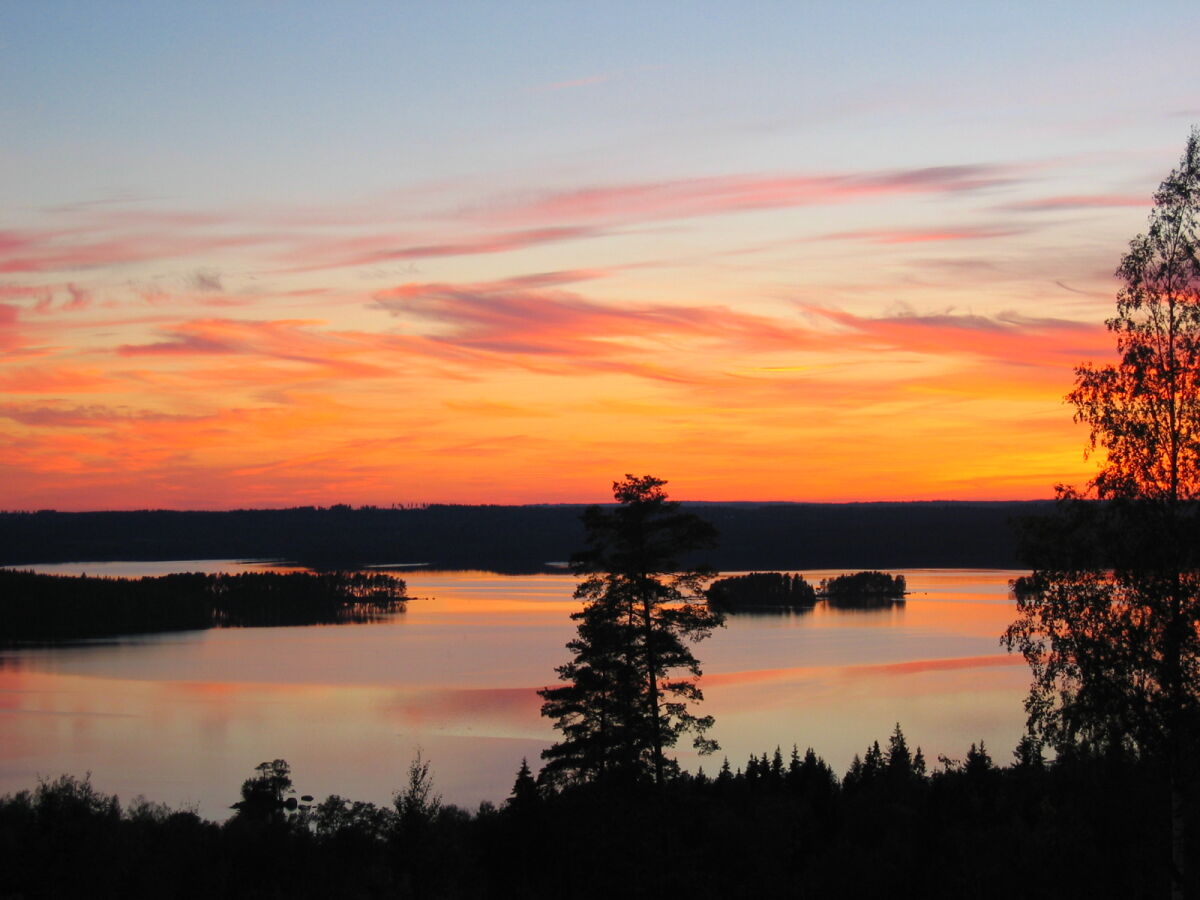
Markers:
461,331
1007,337
286,340
80,298
502,317
113,236
557,331
182,343
19,242
47,251
377,249
922,236
76,297
683,198
1077,201
12,342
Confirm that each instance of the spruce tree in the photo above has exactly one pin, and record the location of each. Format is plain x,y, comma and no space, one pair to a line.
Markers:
633,675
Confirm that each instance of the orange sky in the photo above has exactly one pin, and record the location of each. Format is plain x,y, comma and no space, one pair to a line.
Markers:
543,273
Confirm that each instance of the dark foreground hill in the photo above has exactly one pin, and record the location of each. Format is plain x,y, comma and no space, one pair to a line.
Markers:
1083,826
525,538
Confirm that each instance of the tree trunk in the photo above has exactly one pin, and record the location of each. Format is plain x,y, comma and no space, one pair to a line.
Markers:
652,672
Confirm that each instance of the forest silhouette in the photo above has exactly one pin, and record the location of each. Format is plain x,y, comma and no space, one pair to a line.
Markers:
780,824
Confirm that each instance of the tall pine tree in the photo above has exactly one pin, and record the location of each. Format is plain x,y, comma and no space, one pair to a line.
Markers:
633,675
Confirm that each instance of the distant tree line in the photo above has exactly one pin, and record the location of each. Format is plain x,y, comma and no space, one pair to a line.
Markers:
513,539
37,607
780,825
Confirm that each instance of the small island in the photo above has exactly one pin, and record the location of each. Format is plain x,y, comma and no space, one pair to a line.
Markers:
784,592
863,589
761,592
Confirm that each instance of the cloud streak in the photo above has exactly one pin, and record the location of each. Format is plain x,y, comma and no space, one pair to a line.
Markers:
507,318
1008,337
332,354
691,197
83,416
923,235
374,249
41,251
1075,202
304,241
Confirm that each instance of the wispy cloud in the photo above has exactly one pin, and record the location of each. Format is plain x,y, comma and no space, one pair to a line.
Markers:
1009,337
42,251
80,298
291,341
369,235
206,281
924,235
376,249
1069,203
82,416
10,337
506,318
690,197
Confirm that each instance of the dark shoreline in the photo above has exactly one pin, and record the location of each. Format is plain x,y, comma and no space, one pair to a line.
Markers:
520,539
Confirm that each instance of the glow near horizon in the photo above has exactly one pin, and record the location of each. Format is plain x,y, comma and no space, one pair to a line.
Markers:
266,254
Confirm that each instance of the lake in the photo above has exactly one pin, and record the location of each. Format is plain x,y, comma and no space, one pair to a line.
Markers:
184,717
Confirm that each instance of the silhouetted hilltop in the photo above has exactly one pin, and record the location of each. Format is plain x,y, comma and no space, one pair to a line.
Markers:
525,538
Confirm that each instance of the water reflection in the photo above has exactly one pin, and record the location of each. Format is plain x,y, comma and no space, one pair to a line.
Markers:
867,607
182,717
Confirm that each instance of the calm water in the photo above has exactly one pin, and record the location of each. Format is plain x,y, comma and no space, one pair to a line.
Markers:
183,718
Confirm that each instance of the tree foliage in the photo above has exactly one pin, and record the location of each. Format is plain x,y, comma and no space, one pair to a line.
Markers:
1109,619
631,680
263,796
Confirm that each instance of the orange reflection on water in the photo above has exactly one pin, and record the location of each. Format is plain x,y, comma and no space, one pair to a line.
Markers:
477,594
759,676
510,712
937,665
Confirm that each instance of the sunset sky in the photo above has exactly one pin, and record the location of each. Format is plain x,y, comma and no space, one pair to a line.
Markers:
283,253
